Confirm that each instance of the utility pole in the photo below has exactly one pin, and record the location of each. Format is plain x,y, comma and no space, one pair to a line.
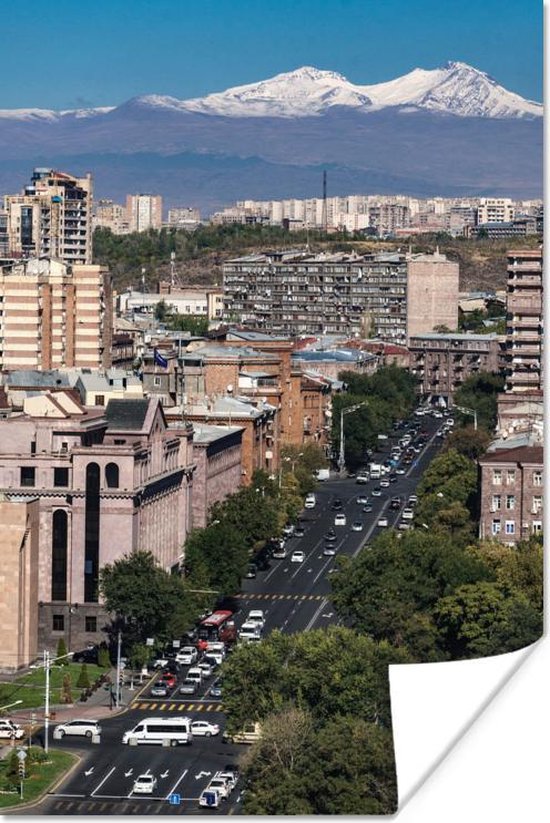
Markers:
47,700
119,645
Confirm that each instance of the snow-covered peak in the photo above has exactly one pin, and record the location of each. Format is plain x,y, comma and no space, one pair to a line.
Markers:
303,92
455,88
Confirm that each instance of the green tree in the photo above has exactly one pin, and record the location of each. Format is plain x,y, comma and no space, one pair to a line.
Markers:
83,681
469,442
143,599
221,551
162,311
103,658
480,619
61,656
479,393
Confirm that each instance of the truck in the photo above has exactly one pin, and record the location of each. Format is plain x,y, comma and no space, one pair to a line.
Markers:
323,474
375,470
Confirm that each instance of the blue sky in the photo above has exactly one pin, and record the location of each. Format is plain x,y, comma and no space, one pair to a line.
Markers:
60,54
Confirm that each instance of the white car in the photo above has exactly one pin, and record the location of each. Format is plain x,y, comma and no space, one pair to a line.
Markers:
357,526
79,728
222,784
256,616
340,519
206,667
145,784
407,514
187,656
201,728
310,501
297,557
413,499
385,482
382,521
329,550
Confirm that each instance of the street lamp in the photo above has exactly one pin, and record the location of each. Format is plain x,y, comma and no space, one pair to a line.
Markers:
471,412
343,411
16,703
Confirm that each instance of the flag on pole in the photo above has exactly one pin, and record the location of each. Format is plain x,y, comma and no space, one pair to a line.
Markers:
159,360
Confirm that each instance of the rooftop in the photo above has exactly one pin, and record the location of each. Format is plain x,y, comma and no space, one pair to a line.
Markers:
127,414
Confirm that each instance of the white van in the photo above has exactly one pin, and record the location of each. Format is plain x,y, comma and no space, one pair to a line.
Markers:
10,730
323,474
177,730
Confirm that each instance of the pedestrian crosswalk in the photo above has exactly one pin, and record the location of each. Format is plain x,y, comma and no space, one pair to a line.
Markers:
176,706
260,596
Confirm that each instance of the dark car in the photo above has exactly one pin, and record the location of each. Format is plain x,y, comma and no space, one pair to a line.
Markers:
172,667
251,571
330,536
89,655
261,560
393,477
216,688
337,505
299,531
367,508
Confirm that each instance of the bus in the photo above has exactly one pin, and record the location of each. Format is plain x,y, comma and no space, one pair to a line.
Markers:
166,731
218,626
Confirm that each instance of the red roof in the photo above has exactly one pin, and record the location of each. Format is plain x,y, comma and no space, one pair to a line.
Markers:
521,454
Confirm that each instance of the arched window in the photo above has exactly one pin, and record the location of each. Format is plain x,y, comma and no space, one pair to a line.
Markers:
111,475
91,539
59,555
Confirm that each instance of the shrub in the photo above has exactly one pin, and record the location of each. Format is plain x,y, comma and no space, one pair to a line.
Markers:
62,652
83,681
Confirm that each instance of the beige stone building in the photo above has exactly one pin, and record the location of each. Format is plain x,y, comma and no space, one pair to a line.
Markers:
52,217
112,216
143,211
19,570
432,293
54,315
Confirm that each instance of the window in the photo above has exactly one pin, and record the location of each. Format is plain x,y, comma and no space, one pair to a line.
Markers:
100,400
510,501
28,475
537,503
495,528
497,477
537,526
537,478
58,623
90,623
510,527
59,554
496,502
510,477
157,381
111,475
33,448
61,477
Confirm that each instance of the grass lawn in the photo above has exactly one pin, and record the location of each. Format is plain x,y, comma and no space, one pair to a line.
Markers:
30,687
41,777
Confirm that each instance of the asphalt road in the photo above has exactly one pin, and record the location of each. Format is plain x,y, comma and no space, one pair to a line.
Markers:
294,597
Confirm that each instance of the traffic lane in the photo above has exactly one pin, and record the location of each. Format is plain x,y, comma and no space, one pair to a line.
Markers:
110,774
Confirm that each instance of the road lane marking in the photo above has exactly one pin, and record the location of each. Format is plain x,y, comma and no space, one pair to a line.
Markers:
107,776
176,784
316,615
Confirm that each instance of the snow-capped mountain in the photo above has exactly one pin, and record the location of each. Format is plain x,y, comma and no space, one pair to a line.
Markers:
456,88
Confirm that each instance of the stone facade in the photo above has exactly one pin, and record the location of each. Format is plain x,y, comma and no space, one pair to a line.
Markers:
511,492
108,483
524,321
432,294
19,534
217,457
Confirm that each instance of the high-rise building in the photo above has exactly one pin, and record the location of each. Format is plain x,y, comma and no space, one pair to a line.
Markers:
389,295
495,210
144,211
524,320
109,215
51,218
54,315
183,216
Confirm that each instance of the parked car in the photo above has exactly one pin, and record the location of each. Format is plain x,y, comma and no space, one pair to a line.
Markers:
78,728
195,674
413,499
251,571
297,557
144,784
396,503
202,728
288,529
340,519
407,513
299,531
382,521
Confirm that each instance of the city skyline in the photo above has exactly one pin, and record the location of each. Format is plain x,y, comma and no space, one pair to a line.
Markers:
168,48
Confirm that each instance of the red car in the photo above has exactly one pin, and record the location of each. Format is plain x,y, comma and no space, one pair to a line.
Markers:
170,679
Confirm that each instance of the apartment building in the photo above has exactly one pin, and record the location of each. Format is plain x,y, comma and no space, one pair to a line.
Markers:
199,301
112,216
389,295
184,217
495,210
108,482
442,362
512,490
54,315
524,326
52,217
143,211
